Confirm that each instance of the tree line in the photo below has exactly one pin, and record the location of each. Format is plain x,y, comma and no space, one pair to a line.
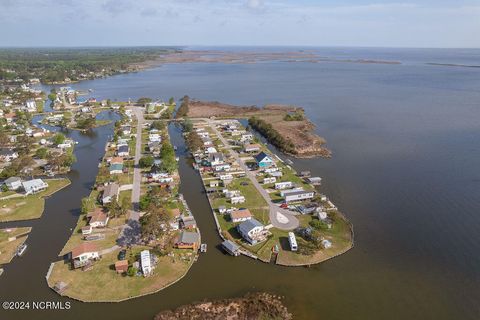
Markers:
272,135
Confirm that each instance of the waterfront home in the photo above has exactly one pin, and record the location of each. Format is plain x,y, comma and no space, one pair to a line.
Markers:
146,263
115,160
84,253
231,247
251,148
316,181
263,160
240,215
8,155
210,150
110,192
188,222
215,158
298,195
126,130
116,168
252,231
292,241
188,240
283,185
13,183
123,151
222,209
214,183
98,218
34,186
87,230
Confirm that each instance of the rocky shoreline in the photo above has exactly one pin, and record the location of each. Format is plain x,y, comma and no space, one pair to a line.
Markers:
250,307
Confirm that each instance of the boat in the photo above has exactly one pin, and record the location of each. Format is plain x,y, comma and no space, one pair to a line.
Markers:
290,162
1,271
203,247
21,250
174,147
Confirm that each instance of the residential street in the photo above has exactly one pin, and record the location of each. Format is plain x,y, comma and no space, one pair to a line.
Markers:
279,217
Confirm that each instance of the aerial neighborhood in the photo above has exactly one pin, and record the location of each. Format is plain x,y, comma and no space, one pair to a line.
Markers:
135,230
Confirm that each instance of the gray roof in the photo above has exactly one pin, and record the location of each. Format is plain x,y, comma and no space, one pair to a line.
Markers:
111,190
294,193
248,225
189,237
262,155
13,179
123,148
230,246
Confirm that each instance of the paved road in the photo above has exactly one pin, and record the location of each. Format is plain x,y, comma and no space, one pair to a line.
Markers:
131,231
279,217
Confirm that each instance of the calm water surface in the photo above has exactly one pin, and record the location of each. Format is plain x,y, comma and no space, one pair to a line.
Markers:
406,144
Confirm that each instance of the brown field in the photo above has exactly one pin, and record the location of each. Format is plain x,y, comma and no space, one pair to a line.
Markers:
301,133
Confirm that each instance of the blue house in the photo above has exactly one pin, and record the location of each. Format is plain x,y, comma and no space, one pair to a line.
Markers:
263,160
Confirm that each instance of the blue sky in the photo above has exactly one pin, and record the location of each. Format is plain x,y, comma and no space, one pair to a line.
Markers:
386,23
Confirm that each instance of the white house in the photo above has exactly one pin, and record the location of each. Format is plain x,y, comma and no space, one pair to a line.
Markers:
237,199
31,106
299,195
34,186
13,183
251,230
145,262
240,215
269,180
110,192
83,253
283,185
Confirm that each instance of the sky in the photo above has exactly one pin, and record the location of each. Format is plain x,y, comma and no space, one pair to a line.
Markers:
364,23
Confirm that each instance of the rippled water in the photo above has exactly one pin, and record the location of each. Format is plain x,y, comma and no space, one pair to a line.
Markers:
405,171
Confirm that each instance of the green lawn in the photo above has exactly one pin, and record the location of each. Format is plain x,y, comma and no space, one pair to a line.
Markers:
102,283
32,206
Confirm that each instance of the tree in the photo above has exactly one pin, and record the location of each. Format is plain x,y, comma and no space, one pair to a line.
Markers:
131,271
59,138
187,125
144,100
171,101
87,205
318,224
41,153
125,205
157,124
183,109
194,142
146,161
154,222
167,154
114,208
4,140
86,123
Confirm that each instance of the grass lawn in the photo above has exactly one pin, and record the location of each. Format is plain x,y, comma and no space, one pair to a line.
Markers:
102,283
32,206
340,235
8,248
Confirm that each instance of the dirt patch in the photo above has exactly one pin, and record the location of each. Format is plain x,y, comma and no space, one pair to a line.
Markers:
300,133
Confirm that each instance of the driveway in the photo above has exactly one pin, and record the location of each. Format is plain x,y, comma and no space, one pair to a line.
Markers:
280,218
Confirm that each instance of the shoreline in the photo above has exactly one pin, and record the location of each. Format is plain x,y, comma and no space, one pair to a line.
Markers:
245,251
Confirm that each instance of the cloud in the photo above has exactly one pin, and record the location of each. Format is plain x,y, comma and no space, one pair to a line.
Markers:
255,5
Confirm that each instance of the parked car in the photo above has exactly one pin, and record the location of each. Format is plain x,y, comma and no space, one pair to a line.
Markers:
122,254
